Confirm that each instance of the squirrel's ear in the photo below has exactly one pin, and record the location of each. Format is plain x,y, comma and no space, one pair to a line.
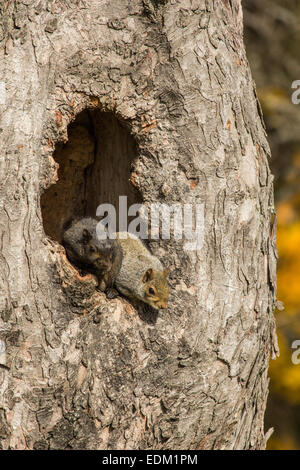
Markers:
165,272
86,236
148,275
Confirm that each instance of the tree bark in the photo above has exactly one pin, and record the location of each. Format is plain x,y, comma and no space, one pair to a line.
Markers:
165,101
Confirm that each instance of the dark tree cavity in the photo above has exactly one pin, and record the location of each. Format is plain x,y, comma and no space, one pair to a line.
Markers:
94,168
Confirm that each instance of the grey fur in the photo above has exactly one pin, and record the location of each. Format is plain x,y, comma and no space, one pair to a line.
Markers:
137,259
105,262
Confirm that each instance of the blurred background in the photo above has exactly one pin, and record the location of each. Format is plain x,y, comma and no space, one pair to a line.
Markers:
272,39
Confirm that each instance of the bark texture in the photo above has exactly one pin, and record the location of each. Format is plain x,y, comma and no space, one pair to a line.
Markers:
82,371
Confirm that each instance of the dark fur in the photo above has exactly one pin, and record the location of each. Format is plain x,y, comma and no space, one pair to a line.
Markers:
100,257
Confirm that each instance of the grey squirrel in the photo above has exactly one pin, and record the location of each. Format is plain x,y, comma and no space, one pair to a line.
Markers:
141,276
84,249
125,263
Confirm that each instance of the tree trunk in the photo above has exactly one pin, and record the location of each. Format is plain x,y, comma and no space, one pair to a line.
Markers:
153,100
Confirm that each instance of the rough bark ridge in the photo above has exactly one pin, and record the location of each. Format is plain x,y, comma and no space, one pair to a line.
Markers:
82,371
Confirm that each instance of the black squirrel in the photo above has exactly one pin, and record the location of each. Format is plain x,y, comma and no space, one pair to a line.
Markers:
125,263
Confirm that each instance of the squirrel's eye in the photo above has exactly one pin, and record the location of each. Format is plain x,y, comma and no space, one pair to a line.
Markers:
92,249
151,291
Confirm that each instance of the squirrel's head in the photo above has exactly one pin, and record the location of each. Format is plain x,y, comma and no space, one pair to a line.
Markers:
156,288
96,253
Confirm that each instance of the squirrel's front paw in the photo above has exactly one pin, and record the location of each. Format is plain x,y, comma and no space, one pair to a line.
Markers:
102,285
111,293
